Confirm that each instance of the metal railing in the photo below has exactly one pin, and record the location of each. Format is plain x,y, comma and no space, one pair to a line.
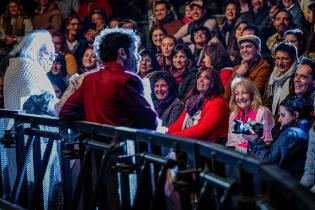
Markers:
48,164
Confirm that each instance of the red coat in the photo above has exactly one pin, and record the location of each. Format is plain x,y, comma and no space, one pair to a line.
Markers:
213,122
111,96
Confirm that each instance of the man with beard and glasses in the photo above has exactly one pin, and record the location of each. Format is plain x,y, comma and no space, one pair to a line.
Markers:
114,95
282,22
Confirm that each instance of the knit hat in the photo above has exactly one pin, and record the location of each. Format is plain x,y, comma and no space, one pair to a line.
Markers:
249,38
196,3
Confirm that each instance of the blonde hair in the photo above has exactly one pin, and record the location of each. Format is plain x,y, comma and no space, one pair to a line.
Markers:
253,91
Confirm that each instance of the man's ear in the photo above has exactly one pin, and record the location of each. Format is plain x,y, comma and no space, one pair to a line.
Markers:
122,54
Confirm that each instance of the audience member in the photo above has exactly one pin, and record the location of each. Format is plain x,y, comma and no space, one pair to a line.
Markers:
280,83
164,96
47,16
165,17
246,107
199,38
148,64
288,149
295,10
205,115
167,46
89,61
297,38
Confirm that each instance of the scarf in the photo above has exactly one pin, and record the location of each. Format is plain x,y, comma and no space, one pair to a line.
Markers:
161,106
194,103
278,85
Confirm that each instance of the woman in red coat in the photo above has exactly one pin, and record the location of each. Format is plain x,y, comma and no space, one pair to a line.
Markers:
206,115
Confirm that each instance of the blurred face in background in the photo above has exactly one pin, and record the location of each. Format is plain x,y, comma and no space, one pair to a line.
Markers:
145,65
161,11
281,22
230,12
73,26
161,89
99,20
13,8
257,5
89,58
157,36
57,42
285,116
239,30
180,60
167,46
294,40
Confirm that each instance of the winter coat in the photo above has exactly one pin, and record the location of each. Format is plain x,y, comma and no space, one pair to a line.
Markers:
288,149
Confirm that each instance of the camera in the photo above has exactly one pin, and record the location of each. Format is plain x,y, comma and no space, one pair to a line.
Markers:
243,128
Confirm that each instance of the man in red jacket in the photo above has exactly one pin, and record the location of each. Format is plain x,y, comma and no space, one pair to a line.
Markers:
114,95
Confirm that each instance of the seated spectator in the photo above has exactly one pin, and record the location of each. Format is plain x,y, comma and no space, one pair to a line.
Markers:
288,149
183,70
198,14
280,83
14,25
99,18
232,48
47,16
295,10
164,96
308,178
75,43
148,64
58,68
297,38
67,7
165,17
61,48
257,14
199,38
231,14
246,106
187,14
253,66
156,34
216,57
205,115
167,46
59,86
282,22
89,61
86,7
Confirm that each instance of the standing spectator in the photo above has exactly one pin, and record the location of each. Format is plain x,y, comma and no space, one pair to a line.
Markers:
47,16
123,103
282,22
198,14
164,96
288,149
165,17
246,107
26,75
205,115
14,25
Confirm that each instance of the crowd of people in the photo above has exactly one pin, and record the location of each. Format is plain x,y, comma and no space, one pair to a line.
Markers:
246,82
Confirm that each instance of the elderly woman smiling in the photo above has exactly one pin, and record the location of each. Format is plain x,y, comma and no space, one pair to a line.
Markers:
245,105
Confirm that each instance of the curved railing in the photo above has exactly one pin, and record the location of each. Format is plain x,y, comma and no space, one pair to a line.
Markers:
48,164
